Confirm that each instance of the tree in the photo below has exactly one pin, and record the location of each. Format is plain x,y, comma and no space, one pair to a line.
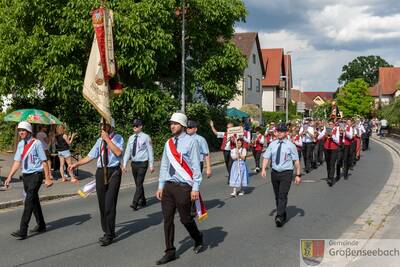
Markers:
391,112
353,99
363,67
46,45
253,111
323,111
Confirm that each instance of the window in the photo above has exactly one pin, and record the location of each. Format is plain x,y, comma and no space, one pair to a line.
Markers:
258,85
249,83
254,59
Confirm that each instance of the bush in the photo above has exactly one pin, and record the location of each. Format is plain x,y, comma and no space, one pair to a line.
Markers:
269,117
7,134
203,114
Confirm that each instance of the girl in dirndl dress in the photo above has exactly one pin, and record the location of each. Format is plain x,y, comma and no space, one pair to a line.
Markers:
239,177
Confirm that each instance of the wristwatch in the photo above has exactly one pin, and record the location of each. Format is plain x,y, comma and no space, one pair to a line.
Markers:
298,175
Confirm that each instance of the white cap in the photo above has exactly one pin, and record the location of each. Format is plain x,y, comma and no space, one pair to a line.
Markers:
25,125
179,118
112,122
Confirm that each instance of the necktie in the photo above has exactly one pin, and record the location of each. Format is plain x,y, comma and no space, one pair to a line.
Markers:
105,154
171,168
26,157
278,153
134,146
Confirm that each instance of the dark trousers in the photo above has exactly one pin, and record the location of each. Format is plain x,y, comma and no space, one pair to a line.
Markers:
347,159
228,162
331,156
107,196
314,156
307,155
321,151
365,142
139,170
339,163
32,183
299,152
177,197
353,153
257,157
281,182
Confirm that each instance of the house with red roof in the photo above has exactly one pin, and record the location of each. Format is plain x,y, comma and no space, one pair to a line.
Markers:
387,88
250,84
278,66
320,98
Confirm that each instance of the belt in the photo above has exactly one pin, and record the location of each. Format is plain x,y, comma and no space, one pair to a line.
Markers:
282,171
140,162
30,174
178,184
110,168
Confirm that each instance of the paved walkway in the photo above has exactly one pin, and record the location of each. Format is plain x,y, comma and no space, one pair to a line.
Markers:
13,196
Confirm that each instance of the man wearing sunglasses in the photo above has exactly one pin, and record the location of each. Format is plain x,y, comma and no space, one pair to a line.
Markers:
140,151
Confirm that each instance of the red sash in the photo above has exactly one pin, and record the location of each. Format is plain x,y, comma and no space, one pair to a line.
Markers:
27,147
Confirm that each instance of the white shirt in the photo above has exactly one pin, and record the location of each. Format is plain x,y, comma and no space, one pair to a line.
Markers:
234,153
309,135
384,123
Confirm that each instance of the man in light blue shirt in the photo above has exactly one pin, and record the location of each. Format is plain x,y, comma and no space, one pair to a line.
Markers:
107,151
32,159
179,184
140,151
282,153
203,146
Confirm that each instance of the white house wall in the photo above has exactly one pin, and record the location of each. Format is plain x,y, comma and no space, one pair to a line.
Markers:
268,99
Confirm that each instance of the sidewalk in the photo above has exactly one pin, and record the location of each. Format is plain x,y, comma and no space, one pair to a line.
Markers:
390,228
382,218
13,196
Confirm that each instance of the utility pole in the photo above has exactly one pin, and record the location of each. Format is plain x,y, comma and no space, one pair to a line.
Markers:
183,96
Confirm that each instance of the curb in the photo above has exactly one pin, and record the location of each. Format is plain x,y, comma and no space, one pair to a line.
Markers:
374,217
46,198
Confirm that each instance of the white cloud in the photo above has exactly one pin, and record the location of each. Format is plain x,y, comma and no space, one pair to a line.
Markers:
355,23
324,35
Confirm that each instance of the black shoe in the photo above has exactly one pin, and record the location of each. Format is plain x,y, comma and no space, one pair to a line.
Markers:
105,241
38,229
279,222
166,258
330,183
19,235
134,206
307,171
198,246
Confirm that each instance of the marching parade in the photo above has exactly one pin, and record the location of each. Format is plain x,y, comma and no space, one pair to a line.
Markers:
120,118
182,162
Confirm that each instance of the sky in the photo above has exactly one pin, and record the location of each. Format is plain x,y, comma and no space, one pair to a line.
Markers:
325,35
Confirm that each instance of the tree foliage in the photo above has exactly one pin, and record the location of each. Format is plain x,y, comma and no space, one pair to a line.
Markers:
46,44
392,112
363,67
353,99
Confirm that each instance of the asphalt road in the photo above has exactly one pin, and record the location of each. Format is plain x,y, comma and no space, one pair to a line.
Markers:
239,232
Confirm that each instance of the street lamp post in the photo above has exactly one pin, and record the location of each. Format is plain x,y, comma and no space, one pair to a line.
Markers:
287,86
183,96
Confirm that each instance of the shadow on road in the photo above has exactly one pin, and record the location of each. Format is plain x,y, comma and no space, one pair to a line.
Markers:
129,228
212,238
73,220
214,203
291,211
